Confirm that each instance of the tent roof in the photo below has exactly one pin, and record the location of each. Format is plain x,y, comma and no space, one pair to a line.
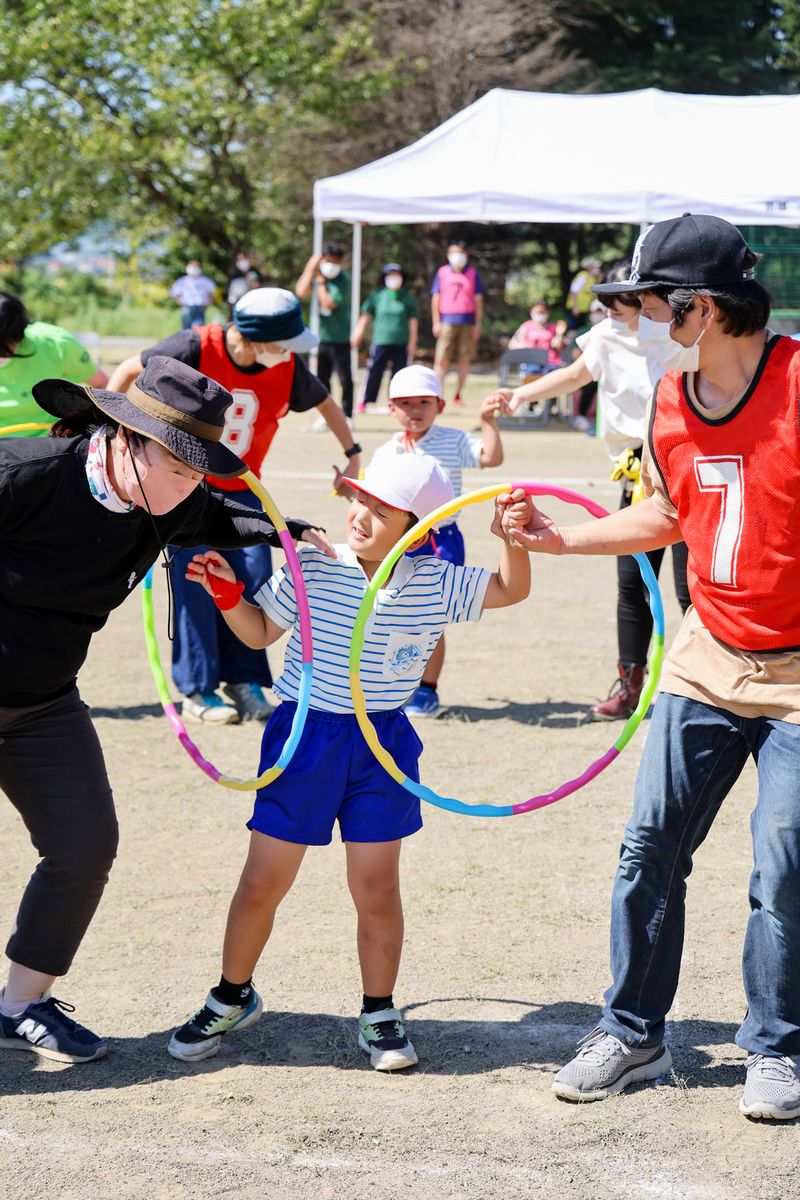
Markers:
629,156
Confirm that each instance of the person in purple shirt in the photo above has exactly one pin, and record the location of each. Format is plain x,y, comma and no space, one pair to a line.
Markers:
457,312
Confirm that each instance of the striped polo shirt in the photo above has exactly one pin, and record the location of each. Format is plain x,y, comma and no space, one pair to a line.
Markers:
423,596
453,449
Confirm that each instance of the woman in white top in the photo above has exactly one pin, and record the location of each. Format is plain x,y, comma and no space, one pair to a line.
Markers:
613,355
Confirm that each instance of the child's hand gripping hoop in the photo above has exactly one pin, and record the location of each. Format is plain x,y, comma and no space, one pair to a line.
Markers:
306,675
368,603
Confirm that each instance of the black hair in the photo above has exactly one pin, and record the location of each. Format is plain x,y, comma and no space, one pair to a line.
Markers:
618,272
745,307
461,245
81,425
13,321
540,304
332,250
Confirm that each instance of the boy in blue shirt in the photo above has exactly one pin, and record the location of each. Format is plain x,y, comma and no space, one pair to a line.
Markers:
333,774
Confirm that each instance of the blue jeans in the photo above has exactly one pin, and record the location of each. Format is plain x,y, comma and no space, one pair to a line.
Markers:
205,653
693,756
192,314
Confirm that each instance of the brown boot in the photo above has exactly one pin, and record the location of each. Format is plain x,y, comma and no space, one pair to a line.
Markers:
623,696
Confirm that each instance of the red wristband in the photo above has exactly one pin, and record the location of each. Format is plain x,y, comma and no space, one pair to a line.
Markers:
227,593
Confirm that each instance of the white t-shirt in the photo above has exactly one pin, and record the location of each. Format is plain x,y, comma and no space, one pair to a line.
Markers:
423,596
625,379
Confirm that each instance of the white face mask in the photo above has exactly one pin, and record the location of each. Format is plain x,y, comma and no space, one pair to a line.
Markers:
193,271
619,326
539,318
330,270
669,354
243,264
457,260
268,358
394,282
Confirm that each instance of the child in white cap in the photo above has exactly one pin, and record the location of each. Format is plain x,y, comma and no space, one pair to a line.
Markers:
333,775
415,399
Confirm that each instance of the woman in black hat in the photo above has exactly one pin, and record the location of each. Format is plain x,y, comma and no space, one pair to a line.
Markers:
83,516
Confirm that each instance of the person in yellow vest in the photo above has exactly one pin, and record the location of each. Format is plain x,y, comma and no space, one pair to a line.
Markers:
579,297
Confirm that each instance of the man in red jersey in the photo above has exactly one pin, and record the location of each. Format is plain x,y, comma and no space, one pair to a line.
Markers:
257,359
722,467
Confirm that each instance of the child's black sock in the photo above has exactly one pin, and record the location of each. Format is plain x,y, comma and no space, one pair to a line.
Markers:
233,993
371,1004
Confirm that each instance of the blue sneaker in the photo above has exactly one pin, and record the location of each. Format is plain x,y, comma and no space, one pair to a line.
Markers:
424,702
45,1029
201,1035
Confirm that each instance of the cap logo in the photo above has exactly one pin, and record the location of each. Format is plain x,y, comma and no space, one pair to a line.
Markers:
637,254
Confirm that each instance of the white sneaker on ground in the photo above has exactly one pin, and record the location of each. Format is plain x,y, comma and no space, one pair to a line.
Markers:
382,1035
209,709
772,1089
249,701
201,1035
604,1066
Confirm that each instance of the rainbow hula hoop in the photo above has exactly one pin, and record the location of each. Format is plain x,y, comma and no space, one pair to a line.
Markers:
306,670
368,603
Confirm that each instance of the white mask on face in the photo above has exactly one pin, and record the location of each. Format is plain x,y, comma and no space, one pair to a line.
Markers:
457,260
243,264
619,326
669,354
394,282
268,358
193,271
330,270
539,318
153,487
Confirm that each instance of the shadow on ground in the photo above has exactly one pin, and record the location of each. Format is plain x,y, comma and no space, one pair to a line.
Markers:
540,1039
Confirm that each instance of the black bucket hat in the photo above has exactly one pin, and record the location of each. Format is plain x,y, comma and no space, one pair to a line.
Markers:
169,402
693,251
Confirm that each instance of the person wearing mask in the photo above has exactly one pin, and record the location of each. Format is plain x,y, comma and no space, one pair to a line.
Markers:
84,515
257,358
613,354
29,352
540,333
243,278
456,313
325,276
722,471
395,315
193,291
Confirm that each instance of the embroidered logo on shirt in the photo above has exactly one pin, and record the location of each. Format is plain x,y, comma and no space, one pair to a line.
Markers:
405,659
131,580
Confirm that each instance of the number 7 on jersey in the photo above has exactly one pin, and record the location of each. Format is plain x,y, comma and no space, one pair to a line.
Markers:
724,474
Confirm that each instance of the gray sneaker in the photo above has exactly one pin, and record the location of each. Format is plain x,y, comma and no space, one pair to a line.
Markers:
249,701
772,1090
604,1066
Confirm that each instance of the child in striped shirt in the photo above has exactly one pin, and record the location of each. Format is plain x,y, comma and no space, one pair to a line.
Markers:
333,774
415,399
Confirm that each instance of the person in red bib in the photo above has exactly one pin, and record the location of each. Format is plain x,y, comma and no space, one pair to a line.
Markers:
257,359
722,469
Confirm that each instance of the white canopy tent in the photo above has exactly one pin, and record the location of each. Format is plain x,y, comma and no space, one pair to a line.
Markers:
633,157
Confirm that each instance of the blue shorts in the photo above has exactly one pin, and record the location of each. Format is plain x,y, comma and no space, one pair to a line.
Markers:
446,543
335,776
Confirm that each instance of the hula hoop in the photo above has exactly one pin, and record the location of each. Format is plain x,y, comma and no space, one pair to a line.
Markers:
25,427
306,669
357,646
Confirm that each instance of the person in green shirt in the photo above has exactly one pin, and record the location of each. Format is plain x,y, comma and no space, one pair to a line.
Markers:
331,284
31,351
394,337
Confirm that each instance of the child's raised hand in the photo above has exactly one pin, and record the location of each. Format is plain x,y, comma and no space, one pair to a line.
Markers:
210,562
495,402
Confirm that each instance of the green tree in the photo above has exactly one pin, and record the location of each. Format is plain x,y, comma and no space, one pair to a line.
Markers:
186,116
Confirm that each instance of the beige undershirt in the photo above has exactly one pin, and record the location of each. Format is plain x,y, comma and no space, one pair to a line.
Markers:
700,666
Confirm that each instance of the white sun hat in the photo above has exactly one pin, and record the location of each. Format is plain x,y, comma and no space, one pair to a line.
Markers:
415,381
413,483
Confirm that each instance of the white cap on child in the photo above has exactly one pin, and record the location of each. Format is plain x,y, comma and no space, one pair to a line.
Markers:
414,483
415,381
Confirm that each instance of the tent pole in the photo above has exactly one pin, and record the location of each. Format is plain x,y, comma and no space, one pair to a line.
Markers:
316,248
355,297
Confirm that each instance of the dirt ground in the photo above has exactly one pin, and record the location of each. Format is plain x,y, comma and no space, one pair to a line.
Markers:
506,945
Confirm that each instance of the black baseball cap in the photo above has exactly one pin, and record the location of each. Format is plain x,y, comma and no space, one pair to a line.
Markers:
688,251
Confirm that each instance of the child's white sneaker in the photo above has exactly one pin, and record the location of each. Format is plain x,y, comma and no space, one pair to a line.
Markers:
382,1035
